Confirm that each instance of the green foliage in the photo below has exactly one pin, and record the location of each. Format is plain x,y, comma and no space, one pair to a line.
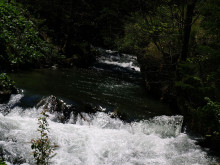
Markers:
20,41
159,25
186,69
207,46
210,117
97,22
211,20
5,82
193,86
136,34
2,163
43,148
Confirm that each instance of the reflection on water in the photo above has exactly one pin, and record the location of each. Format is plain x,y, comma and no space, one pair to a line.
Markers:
110,90
113,82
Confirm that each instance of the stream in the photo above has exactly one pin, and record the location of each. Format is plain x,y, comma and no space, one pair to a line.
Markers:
150,135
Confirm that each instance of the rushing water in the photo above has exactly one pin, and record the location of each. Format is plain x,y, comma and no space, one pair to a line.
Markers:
112,83
100,140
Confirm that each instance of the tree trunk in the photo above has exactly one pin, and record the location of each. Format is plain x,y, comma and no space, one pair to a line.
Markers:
187,28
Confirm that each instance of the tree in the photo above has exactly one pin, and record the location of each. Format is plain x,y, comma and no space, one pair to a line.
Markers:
190,11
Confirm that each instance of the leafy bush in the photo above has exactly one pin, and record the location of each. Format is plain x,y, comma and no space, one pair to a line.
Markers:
5,82
21,44
136,35
210,116
2,163
43,148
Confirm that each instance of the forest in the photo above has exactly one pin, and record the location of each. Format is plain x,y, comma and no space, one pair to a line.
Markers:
176,43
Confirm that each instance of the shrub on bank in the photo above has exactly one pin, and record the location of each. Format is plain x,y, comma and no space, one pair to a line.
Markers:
210,117
20,42
5,82
2,163
7,87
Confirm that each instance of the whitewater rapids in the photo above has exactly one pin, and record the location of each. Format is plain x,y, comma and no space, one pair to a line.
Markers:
100,140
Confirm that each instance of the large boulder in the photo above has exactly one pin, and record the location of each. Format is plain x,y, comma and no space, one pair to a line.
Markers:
63,112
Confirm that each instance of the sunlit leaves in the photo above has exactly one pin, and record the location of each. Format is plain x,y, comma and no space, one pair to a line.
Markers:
23,45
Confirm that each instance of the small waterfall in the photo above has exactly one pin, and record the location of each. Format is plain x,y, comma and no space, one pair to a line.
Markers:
118,61
98,140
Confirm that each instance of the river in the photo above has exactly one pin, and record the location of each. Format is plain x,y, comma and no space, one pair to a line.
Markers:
150,135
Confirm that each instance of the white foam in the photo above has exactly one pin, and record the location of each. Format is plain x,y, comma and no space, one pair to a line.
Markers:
15,98
103,140
123,64
122,60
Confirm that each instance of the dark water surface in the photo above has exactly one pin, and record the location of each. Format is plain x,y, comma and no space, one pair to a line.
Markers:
81,86
114,88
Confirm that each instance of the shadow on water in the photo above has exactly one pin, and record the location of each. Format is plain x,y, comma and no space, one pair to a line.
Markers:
113,82
112,90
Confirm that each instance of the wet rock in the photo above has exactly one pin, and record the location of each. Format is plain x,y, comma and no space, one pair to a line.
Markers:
63,112
58,107
120,115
